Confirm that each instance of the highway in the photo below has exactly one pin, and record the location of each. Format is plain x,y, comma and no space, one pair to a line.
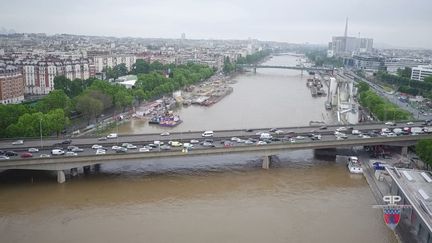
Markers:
218,140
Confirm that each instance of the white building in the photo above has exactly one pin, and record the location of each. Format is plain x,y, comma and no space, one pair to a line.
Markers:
102,62
421,72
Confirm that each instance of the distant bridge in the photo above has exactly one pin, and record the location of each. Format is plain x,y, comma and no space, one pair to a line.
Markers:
254,67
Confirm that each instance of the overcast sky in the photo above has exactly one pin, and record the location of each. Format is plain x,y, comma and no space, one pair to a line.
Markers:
401,23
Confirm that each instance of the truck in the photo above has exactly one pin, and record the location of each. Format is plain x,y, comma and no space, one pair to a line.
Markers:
266,136
416,130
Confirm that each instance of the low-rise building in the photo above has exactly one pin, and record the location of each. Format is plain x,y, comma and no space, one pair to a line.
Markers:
421,72
11,85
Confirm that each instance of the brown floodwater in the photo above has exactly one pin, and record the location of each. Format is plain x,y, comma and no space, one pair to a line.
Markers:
302,198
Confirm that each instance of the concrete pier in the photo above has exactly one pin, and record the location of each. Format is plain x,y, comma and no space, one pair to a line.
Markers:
266,162
74,172
404,151
61,178
86,169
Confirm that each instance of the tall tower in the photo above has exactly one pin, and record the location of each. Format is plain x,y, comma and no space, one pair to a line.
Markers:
346,28
345,39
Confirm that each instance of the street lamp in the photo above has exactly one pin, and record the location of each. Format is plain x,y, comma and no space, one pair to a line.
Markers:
40,130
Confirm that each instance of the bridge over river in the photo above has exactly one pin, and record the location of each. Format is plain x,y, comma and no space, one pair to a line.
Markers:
217,146
299,67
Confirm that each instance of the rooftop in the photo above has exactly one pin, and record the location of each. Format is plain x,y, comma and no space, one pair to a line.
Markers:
416,185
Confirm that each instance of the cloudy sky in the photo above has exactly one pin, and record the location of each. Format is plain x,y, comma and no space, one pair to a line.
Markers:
400,23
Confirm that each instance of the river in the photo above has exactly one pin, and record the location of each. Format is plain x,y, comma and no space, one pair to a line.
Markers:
211,199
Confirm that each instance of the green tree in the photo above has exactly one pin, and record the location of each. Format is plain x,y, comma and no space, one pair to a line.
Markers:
140,67
89,107
139,95
424,151
428,79
56,121
55,99
405,73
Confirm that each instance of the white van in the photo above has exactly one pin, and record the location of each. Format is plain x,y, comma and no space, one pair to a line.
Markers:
266,136
207,134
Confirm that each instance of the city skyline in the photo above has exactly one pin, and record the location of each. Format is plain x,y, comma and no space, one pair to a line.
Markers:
309,21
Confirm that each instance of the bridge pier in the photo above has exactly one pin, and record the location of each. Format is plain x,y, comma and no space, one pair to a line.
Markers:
87,169
61,178
266,162
74,172
254,70
404,151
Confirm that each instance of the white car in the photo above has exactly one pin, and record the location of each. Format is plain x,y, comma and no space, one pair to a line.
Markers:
18,142
279,132
410,123
96,146
115,147
100,151
188,145
57,152
292,140
165,134
175,144
340,129
143,149
33,150
70,153
112,135
207,134
261,143
131,146
4,157
300,137
194,141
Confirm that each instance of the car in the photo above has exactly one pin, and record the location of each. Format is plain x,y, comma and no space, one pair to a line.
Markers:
207,134
115,147
67,141
175,144
249,141
44,156
390,123
112,135
77,149
261,143
273,130
57,152
227,143
158,143
365,136
207,144
96,146
70,153
4,157
410,123
10,153
316,137
300,137
18,142
279,132
143,149
165,147
165,134
355,132
249,130
194,141
274,139
69,148
33,150
340,129
235,139
322,127
121,150
100,151
131,146
188,145
102,138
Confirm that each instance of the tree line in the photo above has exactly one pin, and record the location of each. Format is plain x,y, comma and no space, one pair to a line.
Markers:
230,66
380,107
407,85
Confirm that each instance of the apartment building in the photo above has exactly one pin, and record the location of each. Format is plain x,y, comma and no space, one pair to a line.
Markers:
11,84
